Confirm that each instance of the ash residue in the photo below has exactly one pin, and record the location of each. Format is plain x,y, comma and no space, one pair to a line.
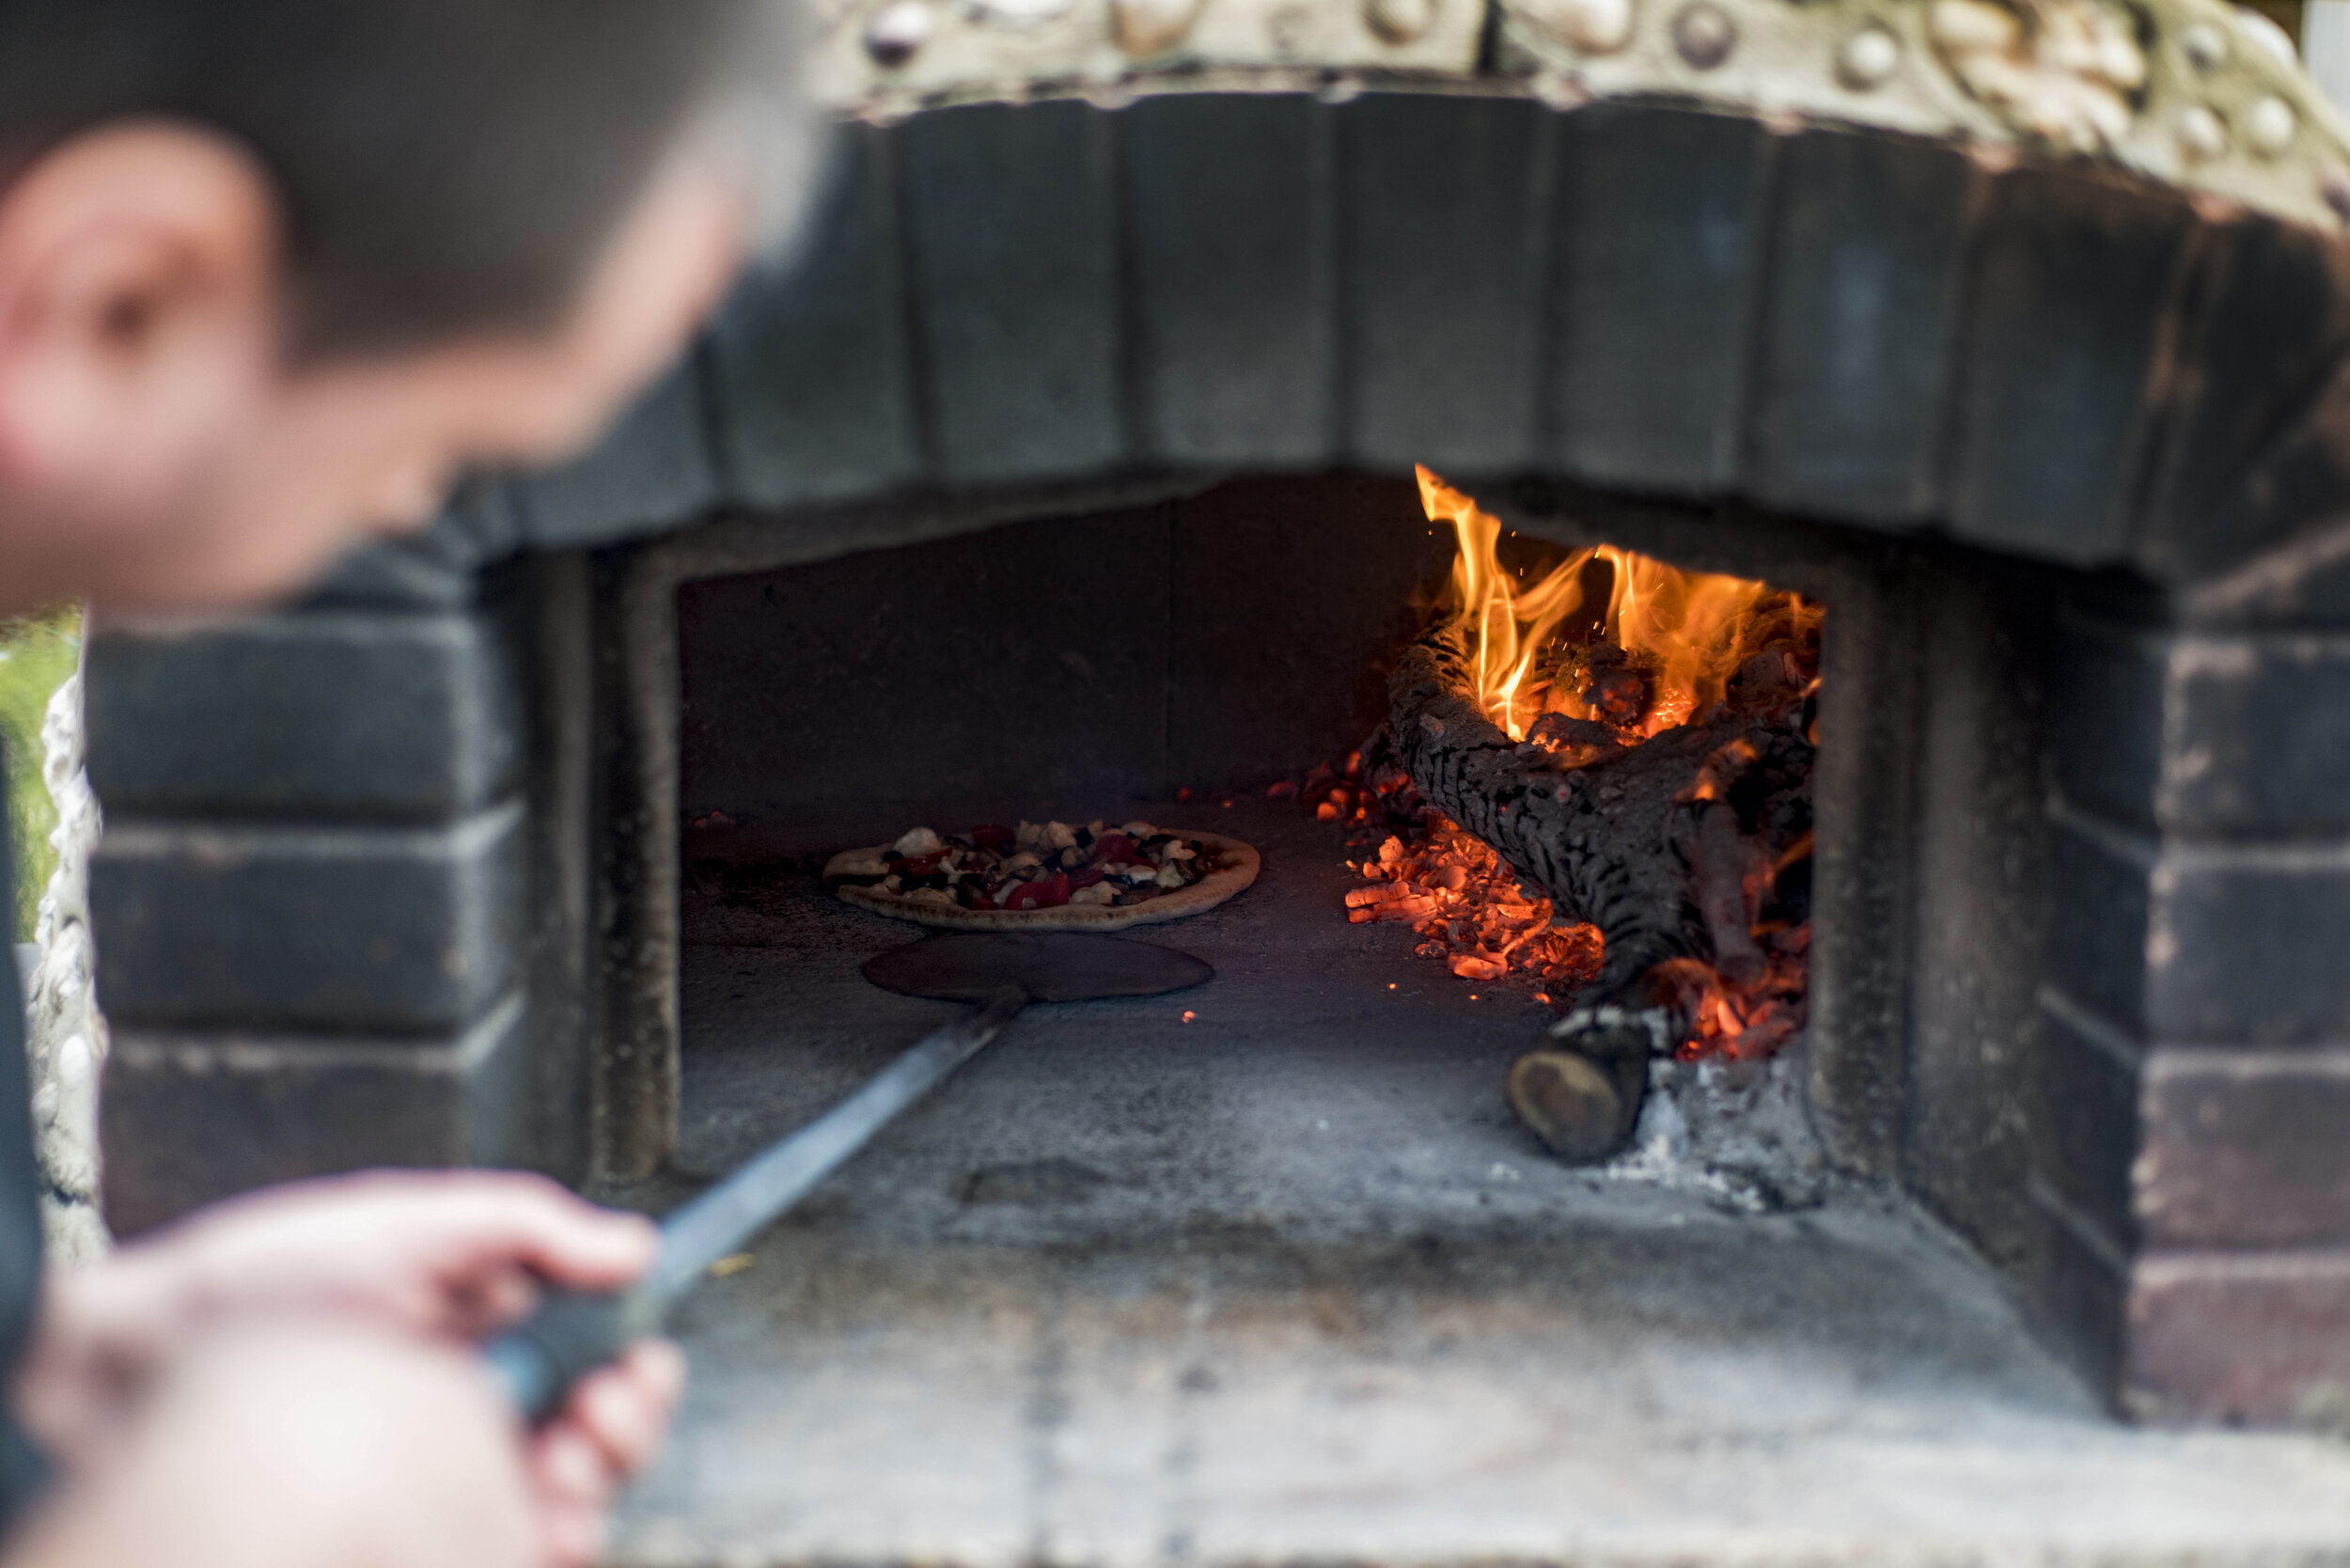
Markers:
1738,1133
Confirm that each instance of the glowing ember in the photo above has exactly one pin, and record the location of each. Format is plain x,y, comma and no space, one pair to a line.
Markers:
1743,1022
1445,883
1454,890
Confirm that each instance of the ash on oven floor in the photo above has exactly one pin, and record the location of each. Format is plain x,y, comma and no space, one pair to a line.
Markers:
1286,1282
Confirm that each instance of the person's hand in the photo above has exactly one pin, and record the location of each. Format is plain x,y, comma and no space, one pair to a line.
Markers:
455,1253
447,1256
608,1430
315,1442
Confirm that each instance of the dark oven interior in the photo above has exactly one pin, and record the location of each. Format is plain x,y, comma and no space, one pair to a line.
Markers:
1192,660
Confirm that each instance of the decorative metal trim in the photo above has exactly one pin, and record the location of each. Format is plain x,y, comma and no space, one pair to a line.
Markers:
2195,93
886,58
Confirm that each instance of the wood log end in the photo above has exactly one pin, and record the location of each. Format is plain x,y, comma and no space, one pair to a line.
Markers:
1582,1110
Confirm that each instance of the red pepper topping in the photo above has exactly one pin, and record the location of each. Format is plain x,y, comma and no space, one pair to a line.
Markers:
1086,876
1114,848
1044,893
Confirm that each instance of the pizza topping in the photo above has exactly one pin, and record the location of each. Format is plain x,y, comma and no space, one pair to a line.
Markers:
864,867
1046,892
1034,866
1047,836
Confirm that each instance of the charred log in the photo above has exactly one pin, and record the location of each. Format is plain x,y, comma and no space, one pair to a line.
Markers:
1663,845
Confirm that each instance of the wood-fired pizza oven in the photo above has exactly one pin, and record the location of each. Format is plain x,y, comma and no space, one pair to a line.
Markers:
1072,467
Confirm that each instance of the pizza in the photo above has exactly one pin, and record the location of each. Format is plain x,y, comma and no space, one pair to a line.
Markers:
1045,876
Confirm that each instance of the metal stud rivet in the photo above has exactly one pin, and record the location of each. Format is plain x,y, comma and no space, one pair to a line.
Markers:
2269,125
898,30
1867,58
1594,26
2202,133
1148,27
2204,45
1400,21
2266,34
1704,35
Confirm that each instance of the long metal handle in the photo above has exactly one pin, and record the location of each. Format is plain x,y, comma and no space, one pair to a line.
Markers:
571,1334
722,1219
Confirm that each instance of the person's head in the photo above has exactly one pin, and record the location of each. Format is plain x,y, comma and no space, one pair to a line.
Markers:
273,271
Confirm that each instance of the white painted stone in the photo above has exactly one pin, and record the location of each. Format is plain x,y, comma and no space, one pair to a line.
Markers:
2204,45
2269,125
65,1033
1868,58
1148,27
898,30
2275,40
2202,133
1400,21
1704,35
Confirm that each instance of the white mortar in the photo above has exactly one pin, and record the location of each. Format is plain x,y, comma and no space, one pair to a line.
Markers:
65,1034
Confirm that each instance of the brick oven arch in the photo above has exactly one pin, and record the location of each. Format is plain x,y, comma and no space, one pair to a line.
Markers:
400,920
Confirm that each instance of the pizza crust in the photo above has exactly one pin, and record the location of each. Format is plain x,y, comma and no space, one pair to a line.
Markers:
1236,867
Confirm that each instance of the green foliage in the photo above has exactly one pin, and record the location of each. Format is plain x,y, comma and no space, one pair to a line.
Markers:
37,653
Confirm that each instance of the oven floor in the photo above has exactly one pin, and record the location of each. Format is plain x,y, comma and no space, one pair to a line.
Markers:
1285,1282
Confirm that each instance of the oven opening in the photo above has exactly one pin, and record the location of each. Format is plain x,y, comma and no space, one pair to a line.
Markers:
1501,789
1358,1153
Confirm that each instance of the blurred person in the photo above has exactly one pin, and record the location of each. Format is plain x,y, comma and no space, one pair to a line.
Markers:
272,273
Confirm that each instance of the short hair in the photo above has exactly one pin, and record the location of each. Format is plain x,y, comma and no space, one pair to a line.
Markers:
443,166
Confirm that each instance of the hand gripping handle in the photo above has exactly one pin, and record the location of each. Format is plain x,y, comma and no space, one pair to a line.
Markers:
570,1335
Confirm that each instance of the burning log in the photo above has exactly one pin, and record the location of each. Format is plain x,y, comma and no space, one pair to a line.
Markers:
1667,844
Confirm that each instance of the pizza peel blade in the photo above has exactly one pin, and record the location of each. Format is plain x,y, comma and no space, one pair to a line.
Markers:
573,1332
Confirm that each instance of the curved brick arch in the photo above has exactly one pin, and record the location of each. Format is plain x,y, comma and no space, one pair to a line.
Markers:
1844,323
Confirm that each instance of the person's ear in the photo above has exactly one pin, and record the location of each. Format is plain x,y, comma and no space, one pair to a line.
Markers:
138,304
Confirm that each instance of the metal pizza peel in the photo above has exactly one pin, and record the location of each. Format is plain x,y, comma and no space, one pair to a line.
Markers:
572,1333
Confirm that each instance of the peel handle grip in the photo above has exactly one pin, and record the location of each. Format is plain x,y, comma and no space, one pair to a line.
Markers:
570,1335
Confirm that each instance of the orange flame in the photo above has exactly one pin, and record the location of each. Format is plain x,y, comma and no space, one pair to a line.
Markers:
1663,653
1507,625
1684,625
